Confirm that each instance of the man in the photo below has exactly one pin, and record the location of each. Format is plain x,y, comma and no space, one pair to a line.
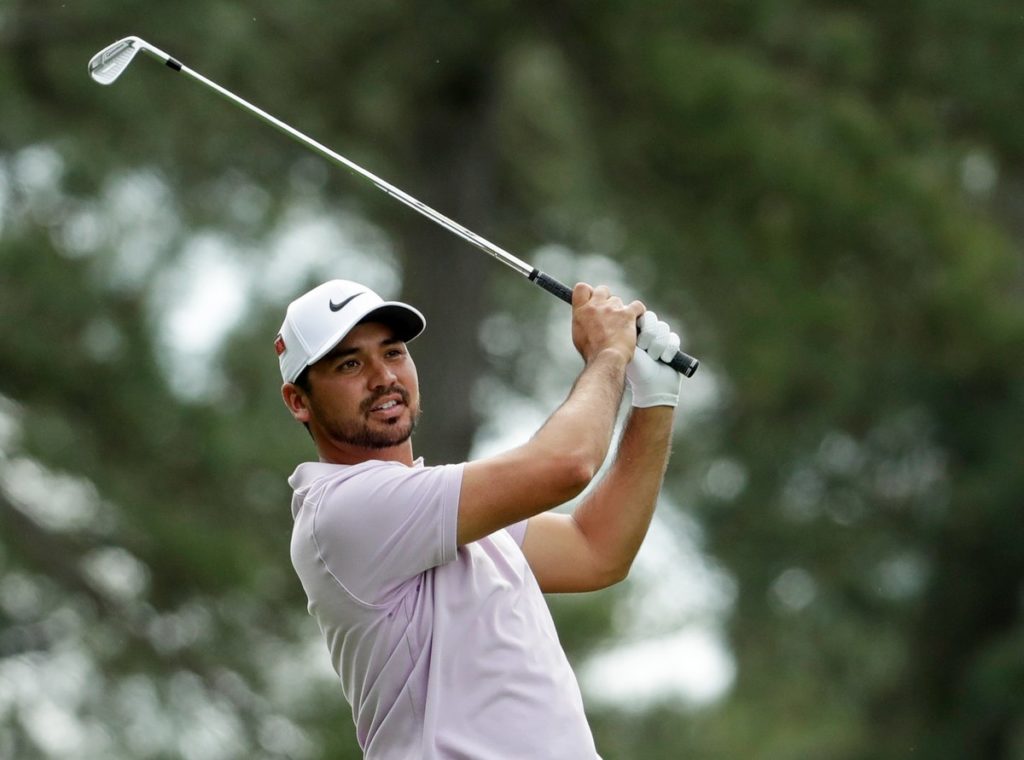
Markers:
427,581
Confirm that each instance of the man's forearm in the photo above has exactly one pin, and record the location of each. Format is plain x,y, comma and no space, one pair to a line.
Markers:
616,515
585,422
556,465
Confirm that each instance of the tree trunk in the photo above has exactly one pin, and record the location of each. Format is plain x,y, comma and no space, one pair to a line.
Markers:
444,275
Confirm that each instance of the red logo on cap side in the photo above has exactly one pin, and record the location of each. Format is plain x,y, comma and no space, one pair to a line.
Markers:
279,344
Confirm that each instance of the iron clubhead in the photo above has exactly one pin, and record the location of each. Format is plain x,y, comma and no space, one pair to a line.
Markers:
107,65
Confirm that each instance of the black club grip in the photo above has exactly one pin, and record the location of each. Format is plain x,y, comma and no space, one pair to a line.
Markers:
553,286
682,363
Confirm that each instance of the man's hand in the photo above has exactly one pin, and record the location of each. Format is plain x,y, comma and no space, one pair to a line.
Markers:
654,383
601,322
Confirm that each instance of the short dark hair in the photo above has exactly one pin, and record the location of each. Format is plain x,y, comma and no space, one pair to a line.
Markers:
303,381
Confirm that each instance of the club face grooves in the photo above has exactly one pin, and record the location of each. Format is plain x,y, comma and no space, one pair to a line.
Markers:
108,64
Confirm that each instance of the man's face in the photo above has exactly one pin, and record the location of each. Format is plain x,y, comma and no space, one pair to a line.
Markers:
365,392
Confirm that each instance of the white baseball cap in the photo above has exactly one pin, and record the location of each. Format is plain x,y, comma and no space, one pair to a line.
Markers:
319,320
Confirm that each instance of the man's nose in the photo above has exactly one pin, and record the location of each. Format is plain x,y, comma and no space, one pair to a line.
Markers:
381,374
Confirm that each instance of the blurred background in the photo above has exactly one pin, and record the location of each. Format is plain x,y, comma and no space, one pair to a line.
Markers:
825,199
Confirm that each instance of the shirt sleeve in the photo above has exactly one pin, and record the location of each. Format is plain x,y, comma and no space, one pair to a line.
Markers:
378,529
518,532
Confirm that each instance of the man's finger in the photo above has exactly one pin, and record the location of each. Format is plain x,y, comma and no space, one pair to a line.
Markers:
643,322
671,348
581,294
657,337
647,323
662,340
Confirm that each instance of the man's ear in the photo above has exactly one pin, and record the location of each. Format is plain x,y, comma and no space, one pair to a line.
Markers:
297,402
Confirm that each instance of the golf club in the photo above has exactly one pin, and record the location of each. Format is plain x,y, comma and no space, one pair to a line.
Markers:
108,64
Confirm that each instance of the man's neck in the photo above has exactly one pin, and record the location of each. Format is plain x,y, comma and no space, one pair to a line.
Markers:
335,453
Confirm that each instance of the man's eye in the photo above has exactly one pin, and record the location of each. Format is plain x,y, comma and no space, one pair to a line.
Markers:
348,364
394,352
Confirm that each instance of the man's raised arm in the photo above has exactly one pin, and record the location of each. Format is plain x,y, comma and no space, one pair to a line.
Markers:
595,546
563,456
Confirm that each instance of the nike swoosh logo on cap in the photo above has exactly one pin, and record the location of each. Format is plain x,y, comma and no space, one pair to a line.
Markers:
340,306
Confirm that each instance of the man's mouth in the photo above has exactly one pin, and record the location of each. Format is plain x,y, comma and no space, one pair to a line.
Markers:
391,400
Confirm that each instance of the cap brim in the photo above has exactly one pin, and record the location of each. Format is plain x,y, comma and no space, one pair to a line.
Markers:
406,321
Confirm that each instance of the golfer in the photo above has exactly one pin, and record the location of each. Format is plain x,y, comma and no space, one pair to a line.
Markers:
426,580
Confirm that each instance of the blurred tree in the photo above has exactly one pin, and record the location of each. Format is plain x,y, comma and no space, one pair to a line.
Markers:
828,199
840,208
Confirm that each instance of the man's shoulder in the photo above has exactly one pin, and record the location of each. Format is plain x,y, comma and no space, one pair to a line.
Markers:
309,474
314,480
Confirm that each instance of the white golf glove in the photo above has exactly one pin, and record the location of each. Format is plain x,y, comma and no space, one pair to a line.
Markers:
654,383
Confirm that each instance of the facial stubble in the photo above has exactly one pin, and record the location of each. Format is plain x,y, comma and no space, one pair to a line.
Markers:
360,433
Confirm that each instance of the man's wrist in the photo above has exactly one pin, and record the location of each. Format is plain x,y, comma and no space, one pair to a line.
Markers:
655,401
652,414
612,357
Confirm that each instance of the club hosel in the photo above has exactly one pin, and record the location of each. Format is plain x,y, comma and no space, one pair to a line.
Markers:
159,54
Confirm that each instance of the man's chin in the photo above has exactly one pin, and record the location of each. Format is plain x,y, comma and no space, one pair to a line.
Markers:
379,436
394,436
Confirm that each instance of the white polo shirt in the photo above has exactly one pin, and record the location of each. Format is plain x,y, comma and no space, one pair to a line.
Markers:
443,652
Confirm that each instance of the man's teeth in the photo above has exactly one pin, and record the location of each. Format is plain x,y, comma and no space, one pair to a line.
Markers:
386,405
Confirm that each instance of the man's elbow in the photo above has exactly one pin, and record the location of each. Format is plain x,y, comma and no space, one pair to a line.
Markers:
555,477
573,473
611,574
606,568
